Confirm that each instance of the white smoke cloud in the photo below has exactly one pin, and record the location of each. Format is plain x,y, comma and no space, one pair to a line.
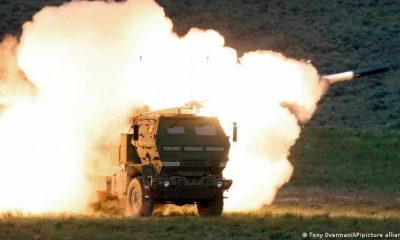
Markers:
92,61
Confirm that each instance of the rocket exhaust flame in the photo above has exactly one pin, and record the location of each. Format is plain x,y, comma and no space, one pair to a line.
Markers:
91,62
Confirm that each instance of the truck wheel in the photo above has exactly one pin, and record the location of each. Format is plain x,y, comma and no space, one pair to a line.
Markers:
137,204
212,207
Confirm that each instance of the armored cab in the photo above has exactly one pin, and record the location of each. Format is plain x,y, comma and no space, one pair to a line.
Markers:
172,157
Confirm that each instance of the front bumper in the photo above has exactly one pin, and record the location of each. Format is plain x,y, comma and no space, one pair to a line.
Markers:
184,182
183,188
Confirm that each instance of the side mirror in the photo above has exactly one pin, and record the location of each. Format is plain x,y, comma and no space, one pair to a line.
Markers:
135,132
234,138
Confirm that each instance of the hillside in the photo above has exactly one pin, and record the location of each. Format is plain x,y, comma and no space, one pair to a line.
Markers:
334,35
347,160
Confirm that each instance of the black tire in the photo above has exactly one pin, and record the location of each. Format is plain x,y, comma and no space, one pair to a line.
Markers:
136,204
211,207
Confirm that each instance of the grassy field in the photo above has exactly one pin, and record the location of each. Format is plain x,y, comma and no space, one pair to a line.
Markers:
265,225
347,159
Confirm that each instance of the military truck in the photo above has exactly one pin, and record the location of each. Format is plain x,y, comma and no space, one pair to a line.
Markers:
172,156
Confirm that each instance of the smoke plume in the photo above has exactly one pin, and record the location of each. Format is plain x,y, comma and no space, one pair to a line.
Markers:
89,63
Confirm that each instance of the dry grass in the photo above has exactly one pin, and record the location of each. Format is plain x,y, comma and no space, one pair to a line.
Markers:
276,222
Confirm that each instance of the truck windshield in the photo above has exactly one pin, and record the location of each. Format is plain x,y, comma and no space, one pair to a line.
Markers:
176,130
206,130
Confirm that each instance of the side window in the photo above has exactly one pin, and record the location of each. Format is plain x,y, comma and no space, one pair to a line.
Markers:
176,130
207,130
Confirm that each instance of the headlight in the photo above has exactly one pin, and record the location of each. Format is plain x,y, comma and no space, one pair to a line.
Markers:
219,184
167,183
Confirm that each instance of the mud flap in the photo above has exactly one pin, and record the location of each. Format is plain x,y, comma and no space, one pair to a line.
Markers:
147,172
